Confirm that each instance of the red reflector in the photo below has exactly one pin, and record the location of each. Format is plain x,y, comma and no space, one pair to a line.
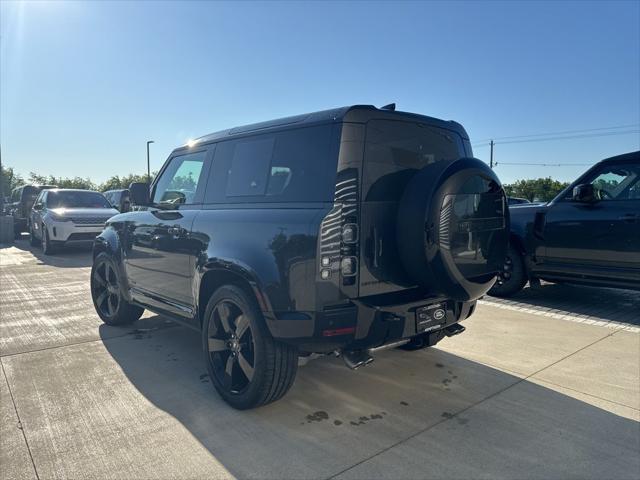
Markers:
339,331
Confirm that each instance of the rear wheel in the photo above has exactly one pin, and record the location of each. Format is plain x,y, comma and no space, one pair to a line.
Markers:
106,292
512,278
247,366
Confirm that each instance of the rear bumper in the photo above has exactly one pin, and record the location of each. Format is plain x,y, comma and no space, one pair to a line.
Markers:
363,323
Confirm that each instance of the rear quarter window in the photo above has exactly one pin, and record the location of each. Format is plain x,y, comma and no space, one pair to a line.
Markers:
396,150
297,165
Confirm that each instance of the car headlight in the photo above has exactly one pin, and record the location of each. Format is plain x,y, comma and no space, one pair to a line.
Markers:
58,218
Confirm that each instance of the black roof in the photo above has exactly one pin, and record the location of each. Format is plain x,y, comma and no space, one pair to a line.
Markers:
625,157
353,113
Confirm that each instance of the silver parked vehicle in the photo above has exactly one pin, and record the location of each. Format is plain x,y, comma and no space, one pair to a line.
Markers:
68,217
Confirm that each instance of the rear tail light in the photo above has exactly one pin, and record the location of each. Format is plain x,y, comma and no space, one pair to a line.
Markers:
349,266
339,245
349,233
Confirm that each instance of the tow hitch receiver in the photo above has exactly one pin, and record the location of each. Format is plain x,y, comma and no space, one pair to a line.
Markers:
454,329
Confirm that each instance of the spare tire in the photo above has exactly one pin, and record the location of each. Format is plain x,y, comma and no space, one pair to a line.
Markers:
453,228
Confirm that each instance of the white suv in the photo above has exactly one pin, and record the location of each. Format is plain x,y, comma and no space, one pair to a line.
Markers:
68,217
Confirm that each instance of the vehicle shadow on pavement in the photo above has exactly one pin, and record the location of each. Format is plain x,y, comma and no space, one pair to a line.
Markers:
446,416
606,304
66,257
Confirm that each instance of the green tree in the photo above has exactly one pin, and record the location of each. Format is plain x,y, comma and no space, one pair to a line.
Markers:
536,189
62,182
10,180
117,182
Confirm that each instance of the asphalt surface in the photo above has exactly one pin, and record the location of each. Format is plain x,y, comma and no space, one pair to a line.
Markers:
546,385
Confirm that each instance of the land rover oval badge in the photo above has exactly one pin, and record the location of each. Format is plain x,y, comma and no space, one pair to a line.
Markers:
439,314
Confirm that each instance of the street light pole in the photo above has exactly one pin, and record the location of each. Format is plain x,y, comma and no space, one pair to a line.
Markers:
491,157
148,163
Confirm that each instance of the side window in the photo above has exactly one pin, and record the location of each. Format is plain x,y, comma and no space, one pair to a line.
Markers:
297,165
248,173
40,201
617,182
181,180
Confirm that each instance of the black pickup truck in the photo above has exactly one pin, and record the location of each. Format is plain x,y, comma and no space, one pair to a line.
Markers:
589,234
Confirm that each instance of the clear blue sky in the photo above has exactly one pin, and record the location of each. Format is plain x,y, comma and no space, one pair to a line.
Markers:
85,84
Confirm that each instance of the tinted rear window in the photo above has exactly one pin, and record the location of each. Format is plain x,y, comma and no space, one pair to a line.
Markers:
297,165
396,150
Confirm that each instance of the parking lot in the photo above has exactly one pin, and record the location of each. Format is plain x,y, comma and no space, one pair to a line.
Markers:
546,385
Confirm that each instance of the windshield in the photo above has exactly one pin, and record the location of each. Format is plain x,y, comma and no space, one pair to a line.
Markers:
77,199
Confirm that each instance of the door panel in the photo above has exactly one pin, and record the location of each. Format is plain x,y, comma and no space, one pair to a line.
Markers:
600,237
160,260
160,250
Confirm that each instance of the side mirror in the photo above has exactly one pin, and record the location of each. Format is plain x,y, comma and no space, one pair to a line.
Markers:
584,193
139,193
37,206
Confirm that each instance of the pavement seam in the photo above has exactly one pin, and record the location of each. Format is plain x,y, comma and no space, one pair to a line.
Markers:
489,397
588,394
24,435
80,343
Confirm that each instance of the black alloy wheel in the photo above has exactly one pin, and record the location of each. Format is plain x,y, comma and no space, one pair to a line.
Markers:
106,292
231,346
247,366
512,277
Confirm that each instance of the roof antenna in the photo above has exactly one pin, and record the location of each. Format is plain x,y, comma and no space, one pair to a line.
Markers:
391,107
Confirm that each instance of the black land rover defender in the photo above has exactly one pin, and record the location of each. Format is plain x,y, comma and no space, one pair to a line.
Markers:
343,231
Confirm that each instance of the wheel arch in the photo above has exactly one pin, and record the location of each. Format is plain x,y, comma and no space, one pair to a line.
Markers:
107,242
217,276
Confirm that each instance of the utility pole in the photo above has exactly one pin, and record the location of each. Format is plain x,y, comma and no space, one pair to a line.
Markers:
148,163
491,157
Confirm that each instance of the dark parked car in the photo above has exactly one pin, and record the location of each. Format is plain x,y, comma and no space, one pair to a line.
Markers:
588,234
343,231
120,199
19,205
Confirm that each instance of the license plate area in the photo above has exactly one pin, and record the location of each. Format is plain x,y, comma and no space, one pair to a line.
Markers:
431,317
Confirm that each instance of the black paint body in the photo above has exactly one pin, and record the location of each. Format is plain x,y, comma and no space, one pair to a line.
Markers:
174,259
592,243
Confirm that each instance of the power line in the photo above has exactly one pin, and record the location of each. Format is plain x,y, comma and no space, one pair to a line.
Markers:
546,164
635,125
566,137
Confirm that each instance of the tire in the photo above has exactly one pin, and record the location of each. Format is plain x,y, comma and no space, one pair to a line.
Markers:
107,293
32,238
513,277
247,366
47,247
448,210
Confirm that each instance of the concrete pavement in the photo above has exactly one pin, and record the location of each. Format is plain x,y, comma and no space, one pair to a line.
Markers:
519,394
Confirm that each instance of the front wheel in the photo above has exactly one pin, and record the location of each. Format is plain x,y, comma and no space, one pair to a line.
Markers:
512,278
247,366
47,246
32,238
106,292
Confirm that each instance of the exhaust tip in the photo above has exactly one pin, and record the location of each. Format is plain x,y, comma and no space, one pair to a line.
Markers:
356,359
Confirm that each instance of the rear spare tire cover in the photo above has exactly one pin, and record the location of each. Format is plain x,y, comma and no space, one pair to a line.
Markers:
453,228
